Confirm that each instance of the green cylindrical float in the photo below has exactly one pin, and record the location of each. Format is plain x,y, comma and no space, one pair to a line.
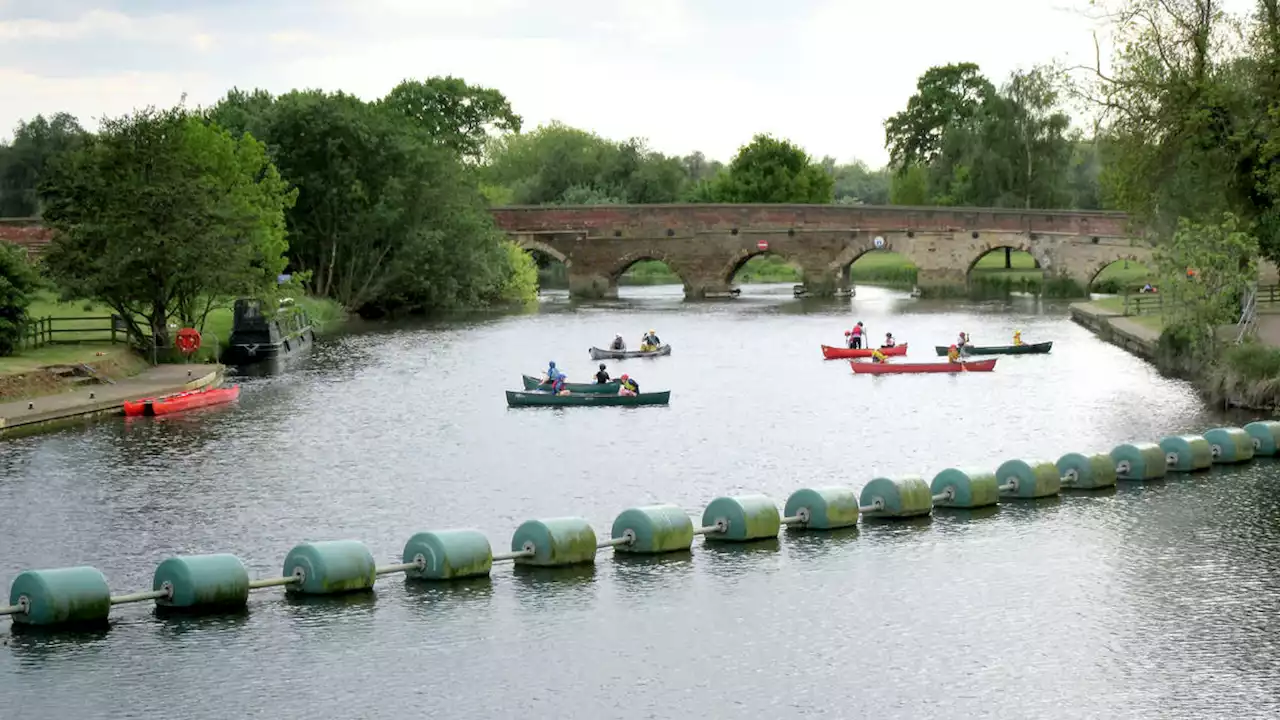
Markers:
1034,479
653,529
448,554
555,542
1186,453
1139,461
896,497
61,596
330,567
1230,445
200,581
824,508
965,488
1266,437
744,517
1087,472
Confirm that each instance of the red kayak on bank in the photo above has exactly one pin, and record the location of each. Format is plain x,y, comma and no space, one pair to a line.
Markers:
839,353
867,368
182,401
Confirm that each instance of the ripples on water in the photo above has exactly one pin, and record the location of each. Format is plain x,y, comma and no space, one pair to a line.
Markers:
1149,601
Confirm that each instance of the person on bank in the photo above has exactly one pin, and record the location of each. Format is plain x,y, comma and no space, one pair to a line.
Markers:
953,354
629,385
618,343
889,341
602,376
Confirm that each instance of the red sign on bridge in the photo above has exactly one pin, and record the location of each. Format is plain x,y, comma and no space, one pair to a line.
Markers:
762,244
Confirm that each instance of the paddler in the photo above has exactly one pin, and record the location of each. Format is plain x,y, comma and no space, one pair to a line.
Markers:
618,343
889,341
552,372
848,339
879,357
629,386
857,335
1017,338
964,339
651,339
602,376
953,354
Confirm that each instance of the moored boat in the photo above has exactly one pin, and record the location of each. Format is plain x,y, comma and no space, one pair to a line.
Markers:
1028,349
546,399
598,354
869,368
257,337
839,353
611,387
170,404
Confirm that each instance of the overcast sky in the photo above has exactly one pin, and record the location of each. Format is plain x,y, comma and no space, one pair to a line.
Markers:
686,74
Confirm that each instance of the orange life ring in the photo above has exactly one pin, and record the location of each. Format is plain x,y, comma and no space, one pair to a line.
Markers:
187,340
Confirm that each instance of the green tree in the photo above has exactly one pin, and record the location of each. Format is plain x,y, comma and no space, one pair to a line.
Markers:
857,184
946,96
36,143
161,215
18,282
910,186
459,115
769,170
387,219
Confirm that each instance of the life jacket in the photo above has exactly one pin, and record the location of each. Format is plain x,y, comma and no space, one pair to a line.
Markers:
631,385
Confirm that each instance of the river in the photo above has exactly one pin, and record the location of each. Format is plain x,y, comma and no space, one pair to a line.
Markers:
1148,601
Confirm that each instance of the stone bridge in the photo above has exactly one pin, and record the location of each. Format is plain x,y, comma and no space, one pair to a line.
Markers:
706,244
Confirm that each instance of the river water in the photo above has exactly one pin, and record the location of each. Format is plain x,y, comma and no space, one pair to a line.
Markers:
1149,601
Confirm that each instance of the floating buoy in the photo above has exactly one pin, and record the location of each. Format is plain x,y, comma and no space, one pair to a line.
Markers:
1139,461
744,518
1186,453
1087,472
902,497
824,508
202,581
1266,437
448,555
555,542
965,488
1028,480
653,529
1230,445
61,596
330,567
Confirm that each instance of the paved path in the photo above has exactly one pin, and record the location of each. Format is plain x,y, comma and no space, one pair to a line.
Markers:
159,380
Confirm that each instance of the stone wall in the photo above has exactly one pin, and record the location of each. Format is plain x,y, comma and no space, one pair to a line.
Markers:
26,233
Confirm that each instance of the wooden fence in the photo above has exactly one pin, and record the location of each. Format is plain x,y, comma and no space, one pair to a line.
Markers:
40,332
1153,303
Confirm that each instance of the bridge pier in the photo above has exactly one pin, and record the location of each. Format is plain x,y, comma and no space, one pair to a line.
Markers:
946,282
592,287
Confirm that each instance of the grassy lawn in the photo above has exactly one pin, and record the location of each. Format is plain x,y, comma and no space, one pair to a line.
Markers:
86,353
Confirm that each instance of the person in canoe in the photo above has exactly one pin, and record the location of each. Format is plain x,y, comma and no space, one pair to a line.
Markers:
618,343
602,376
889,341
552,372
879,357
650,342
856,338
1017,338
964,340
953,354
629,385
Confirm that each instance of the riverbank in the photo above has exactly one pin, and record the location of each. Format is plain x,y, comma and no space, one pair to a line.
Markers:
42,413
1138,335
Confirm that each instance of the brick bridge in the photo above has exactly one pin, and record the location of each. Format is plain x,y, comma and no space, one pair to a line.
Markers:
706,244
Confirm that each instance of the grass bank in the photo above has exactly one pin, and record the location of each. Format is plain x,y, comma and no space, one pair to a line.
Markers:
1247,375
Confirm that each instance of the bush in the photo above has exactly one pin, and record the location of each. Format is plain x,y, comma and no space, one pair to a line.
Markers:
1247,374
18,281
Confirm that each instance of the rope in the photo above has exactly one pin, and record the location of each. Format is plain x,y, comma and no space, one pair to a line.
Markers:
628,538
273,582
399,567
142,596
498,557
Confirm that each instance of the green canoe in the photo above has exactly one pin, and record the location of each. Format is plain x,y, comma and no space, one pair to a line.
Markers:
1031,349
609,388
544,399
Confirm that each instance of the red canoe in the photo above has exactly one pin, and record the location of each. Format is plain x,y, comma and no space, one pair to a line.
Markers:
837,353
182,401
944,367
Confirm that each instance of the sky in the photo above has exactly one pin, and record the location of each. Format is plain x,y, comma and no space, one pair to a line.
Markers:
688,75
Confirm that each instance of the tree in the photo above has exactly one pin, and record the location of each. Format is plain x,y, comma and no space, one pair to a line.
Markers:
769,170
387,219
945,96
162,215
18,281
910,186
459,115
35,144
856,184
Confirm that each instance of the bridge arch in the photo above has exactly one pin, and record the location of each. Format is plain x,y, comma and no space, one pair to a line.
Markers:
741,257
1043,261
1144,261
530,245
624,263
